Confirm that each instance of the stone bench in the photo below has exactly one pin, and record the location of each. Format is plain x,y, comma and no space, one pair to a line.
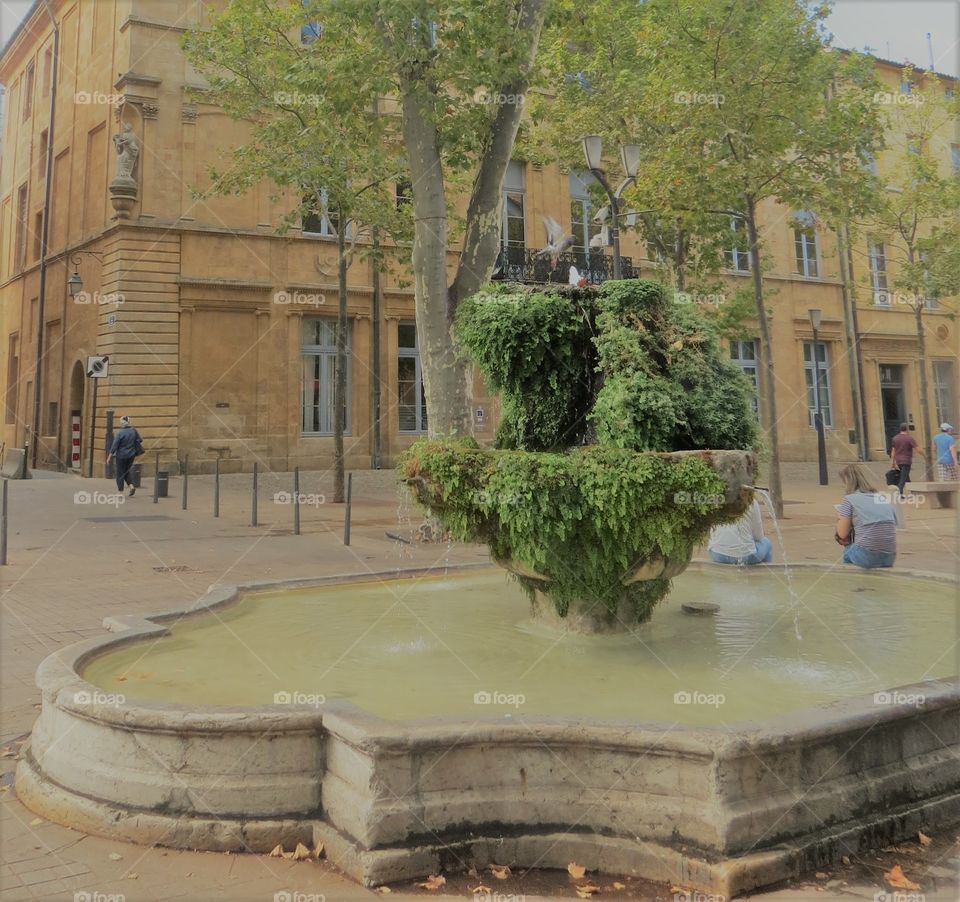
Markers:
943,494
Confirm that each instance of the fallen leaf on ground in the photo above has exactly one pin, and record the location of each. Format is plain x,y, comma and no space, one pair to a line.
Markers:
277,851
501,872
619,885
301,853
481,890
114,856
433,882
845,859
576,870
318,851
383,890
822,875
133,875
587,890
898,880
924,839
35,821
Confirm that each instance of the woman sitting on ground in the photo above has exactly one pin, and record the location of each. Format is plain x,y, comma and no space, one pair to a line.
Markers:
741,542
867,527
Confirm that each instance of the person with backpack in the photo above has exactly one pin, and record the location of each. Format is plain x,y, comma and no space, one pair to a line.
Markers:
126,447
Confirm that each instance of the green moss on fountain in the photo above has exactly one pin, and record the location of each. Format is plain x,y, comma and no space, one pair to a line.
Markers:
586,499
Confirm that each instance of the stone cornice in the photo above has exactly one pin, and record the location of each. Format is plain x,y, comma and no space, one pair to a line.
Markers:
235,284
151,23
134,78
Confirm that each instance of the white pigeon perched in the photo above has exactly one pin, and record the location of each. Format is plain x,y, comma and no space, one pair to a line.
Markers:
557,242
602,238
576,279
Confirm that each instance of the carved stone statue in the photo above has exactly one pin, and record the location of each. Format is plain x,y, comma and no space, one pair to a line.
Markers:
123,188
128,149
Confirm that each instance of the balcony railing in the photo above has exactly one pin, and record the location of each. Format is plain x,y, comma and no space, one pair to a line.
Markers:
520,264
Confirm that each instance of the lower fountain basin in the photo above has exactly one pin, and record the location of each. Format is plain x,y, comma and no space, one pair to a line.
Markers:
654,775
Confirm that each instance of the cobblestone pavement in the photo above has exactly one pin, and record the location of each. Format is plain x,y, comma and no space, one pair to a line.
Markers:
75,557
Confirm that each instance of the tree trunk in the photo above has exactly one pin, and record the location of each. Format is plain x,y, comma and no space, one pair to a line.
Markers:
927,442
444,376
340,367
768,388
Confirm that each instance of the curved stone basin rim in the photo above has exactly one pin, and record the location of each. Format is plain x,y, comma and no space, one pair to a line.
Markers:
710,808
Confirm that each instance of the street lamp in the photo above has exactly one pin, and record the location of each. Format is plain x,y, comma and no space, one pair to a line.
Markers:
630,160
75,283
815,319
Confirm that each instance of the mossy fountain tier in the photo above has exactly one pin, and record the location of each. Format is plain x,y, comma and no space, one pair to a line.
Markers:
625,436
595,534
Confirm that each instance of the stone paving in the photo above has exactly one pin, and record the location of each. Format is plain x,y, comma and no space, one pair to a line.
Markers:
76,556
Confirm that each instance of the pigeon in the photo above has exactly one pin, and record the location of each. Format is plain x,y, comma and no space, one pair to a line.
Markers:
557,242
576,279
601,239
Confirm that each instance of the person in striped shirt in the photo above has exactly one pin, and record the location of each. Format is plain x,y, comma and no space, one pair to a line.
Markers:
867,524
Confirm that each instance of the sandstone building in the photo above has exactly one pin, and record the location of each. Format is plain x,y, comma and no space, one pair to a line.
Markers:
218,331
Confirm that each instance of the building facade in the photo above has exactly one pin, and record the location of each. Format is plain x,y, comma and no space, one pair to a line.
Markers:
219,332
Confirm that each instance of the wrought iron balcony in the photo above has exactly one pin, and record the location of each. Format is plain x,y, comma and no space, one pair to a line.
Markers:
520,264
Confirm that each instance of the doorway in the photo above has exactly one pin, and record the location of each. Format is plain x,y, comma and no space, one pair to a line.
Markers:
893,399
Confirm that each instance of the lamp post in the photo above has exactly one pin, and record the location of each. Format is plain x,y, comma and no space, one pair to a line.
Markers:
815,318
630,159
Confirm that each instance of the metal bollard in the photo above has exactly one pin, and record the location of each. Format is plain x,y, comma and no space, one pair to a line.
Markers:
253,497
216,489
186,476
156,478
346,513
296,501
3,520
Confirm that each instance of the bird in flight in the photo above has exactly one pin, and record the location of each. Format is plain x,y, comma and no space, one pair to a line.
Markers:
557,241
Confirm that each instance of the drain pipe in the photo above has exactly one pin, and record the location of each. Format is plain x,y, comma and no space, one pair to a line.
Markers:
44,238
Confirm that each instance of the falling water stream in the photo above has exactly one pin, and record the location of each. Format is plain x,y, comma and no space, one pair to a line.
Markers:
787,569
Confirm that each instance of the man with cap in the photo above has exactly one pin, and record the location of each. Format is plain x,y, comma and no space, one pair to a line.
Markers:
946,445
124,448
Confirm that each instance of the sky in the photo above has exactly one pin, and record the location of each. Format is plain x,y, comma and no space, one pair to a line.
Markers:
892,29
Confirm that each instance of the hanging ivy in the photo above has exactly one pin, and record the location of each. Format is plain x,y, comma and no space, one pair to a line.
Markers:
592,382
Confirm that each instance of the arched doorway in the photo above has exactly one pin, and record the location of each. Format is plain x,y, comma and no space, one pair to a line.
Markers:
77,384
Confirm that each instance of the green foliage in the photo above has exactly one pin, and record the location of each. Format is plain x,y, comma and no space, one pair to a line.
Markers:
583,518
663,383
533,348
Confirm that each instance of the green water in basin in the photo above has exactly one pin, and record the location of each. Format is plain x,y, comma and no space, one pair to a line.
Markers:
465,645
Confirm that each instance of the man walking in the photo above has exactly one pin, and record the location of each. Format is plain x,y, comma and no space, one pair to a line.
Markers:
901,454
946,444
124,448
